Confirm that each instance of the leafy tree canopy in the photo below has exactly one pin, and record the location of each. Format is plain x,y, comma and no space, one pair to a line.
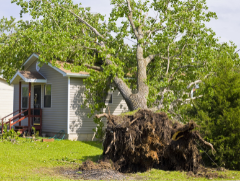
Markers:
173,48
218,110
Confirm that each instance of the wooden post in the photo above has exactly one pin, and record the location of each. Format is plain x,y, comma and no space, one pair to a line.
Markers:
29,107
40,122
20,100
10,124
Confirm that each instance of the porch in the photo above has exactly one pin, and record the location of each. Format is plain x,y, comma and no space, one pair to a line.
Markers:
29,113
35,114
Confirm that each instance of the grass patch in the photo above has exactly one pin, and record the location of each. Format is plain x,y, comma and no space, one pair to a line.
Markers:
129,113
155,174
28,160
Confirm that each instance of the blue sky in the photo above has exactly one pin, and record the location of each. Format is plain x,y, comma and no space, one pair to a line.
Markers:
227,26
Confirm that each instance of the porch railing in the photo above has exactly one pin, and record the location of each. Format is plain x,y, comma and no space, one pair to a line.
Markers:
23,115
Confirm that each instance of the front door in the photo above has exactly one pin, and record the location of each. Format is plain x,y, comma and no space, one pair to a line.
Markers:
37,103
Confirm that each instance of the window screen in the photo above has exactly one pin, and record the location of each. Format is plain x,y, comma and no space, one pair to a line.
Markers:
25,97
47,95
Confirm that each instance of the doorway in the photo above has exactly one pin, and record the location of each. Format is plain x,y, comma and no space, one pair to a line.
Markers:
37,104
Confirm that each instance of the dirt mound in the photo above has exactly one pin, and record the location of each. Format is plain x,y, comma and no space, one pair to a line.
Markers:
209,173
102,175
102,170
145,140
90,165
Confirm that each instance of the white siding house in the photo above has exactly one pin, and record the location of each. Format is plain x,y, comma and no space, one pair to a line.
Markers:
6,98
59,94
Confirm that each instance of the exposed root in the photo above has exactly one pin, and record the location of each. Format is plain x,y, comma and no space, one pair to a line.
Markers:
108,148
204,142
102,115
146,140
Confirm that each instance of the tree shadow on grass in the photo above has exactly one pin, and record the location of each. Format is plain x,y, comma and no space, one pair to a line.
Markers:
96,144
94,158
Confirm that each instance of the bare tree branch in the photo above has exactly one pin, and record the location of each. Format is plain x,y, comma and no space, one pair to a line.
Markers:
194,83
168,60
151,57
94,67
198,81
183,101
205,142
83,21
237,51
130,18
149,32
102,115
144,19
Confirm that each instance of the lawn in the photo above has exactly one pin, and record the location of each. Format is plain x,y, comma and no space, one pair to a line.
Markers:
28,160
40,160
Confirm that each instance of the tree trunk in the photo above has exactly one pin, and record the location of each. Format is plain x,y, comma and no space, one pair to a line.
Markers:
138,100
134,101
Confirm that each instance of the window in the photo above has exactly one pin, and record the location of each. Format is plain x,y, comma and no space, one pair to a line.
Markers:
37,67
108,99
47,95
24,97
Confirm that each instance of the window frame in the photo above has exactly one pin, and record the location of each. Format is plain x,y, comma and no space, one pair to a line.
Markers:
47,95
111,94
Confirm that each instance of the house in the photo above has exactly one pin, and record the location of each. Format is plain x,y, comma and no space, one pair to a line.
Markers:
6,98
50,98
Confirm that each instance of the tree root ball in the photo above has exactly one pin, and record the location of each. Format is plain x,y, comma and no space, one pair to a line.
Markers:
146,139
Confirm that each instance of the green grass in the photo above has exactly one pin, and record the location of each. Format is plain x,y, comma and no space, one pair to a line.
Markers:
43,161
129,113
155,174
37,160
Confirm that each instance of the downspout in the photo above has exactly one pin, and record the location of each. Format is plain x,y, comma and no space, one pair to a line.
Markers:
20,99
68,109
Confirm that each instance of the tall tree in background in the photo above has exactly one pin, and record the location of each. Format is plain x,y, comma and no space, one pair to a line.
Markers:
218,110
172,48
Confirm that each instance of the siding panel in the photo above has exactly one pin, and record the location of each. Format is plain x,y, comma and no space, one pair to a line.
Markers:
6,98
79,122
55,118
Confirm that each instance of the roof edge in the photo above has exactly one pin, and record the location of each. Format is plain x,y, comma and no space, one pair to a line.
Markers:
29,58
57,69
27,80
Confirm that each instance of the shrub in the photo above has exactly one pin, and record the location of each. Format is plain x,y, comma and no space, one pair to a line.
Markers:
218,112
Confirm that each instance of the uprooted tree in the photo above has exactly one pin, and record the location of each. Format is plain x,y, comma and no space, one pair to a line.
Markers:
170,51
145,140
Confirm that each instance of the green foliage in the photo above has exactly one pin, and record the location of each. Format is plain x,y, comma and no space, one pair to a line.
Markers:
34,130
99,130
218,111
8,135
37,134
176,36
